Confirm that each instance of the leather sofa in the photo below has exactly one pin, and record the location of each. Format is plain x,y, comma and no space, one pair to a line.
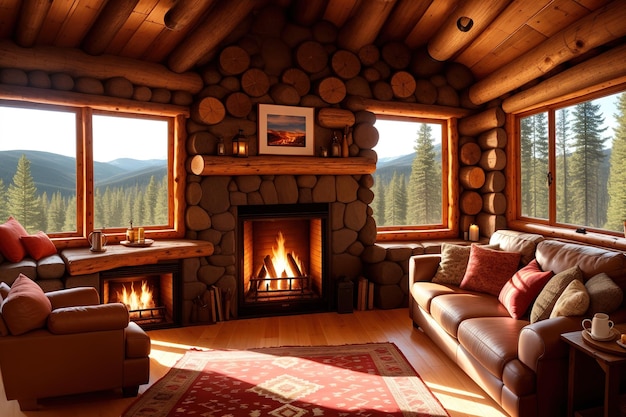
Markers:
523,366
69,344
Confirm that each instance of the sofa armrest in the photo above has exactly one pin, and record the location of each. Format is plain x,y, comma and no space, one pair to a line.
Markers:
85,319
70,297
541,341
423,267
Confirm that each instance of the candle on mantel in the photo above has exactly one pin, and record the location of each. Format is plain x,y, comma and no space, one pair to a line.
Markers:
473,233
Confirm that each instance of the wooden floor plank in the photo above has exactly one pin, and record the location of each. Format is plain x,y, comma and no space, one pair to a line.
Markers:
456,391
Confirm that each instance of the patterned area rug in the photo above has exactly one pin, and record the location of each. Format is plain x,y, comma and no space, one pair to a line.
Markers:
349,380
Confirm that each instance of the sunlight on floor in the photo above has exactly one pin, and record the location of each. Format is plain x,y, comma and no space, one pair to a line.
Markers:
463,401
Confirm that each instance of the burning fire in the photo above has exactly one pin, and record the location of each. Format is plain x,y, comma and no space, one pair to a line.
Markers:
281,262
136,300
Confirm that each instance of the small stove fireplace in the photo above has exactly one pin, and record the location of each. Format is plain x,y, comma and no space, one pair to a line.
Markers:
149,292
283,254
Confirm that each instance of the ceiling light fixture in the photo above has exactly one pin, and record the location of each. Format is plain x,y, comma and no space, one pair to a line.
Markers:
464,23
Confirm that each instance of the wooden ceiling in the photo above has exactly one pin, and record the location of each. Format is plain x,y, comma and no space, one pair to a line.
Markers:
502,31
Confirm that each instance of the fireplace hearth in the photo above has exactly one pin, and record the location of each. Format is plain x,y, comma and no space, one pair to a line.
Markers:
149,292
283,252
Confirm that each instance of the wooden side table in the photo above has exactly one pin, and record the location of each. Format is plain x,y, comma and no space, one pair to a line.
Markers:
612,361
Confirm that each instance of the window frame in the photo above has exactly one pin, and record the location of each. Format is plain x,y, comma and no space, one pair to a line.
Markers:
449,228
550,227
85,108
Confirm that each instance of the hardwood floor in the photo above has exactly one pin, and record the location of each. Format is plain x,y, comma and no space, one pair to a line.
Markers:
458,393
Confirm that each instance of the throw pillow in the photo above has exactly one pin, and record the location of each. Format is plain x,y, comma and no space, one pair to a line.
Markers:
38,245
488,269
453,263
26,307
10,244
604,294
519,292
4,331
552,291
574,301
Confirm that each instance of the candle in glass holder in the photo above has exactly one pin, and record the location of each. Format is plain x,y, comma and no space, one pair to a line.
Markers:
140,235
473,233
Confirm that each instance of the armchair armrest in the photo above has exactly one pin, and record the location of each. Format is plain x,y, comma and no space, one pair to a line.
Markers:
423,267
70,297
91,318
541,341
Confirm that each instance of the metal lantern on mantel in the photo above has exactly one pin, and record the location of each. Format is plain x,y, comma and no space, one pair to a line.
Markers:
240,145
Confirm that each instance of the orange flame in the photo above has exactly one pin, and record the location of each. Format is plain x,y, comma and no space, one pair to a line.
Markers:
136,300
281,262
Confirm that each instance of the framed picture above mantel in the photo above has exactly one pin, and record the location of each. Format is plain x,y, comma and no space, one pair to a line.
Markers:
286,130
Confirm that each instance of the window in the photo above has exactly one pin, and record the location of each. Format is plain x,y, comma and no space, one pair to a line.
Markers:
68,171
410,191
573,165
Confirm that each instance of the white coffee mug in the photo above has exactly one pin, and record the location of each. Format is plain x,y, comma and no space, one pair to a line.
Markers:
600,326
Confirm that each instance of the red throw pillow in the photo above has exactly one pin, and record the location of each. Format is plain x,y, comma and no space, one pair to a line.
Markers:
488,269
523,287
26,307
38,245
10,245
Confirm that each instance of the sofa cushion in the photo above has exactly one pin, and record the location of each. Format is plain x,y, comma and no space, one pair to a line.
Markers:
450,310
552,291
38,245
51,267
9,271
26,307
514,241
574,301
423,292
10,244
520,291
488,269
605,296
492,341
453,263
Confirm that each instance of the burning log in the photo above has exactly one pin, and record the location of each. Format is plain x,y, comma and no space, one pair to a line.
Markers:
269,265
294,265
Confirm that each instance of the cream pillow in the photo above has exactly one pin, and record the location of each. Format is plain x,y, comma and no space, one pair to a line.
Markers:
542,308
574,301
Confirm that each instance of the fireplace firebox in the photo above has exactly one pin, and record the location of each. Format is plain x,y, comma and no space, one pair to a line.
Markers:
283,259
149,291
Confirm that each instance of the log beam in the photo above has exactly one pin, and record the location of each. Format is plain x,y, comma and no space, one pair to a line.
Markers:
363,27
396,108
184,12
32,15
403,19
450,39
607,67
602,26
217,26
79,64
106,26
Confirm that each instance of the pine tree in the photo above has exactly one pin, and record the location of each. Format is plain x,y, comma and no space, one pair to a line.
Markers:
4,212
56,213
616,212
378,204
23,202
424,203
564,208
161,209
395,201
149,202
534,152
587,185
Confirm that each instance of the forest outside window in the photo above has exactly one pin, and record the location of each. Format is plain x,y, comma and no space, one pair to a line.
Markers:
67,171
409,189
573,165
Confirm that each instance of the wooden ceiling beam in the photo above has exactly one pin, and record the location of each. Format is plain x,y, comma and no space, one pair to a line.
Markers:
31,18
184,12
77,63
307,12
338,11
109,22
403,19
450,38
363,27
427,25
215,28
600,27
607,67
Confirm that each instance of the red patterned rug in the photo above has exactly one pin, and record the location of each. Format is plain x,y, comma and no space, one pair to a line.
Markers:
325,381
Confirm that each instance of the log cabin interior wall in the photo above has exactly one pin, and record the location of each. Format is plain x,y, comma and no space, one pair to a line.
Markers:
216,60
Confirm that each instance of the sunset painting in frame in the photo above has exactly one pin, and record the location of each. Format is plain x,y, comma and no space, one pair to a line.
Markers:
285,130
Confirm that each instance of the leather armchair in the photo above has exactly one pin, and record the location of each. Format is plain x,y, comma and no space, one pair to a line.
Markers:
85,346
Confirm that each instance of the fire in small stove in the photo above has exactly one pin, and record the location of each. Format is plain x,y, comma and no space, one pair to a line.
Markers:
282,272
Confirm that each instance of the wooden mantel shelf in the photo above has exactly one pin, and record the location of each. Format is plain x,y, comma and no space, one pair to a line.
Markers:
281,165
79,261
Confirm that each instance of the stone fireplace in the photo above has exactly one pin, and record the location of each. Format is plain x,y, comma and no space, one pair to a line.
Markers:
283,259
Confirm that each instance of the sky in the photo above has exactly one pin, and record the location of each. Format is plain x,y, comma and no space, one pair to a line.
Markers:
135,139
